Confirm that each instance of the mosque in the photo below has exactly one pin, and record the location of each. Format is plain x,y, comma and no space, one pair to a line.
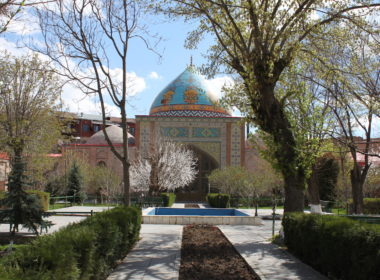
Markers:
184,111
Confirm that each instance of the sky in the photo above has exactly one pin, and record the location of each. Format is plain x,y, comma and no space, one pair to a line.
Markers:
150,72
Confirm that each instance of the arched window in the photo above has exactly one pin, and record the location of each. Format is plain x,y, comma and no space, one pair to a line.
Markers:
101,164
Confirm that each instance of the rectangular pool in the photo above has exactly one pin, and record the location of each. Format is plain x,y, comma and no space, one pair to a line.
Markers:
187,216
195,212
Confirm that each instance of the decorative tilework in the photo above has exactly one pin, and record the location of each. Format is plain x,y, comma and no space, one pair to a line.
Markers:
188,92
205,132
174,131
212,148
215,146
193,111
235,144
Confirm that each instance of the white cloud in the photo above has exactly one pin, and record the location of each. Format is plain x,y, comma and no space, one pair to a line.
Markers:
12,48
75,101
154,75
216,86
24,24
135,84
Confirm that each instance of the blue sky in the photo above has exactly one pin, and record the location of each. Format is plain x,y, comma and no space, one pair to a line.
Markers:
152,74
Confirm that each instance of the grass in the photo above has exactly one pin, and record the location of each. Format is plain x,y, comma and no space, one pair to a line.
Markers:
58,206
339,211
63,205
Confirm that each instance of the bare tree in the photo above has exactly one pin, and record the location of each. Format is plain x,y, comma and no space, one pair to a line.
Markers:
169,166
82,37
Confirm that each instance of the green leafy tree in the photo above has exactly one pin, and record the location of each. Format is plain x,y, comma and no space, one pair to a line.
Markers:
238,181
28,126
258,40
75,184
328,172
22,208
348,71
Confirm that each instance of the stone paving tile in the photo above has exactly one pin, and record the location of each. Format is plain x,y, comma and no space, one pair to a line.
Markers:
268,260
156,256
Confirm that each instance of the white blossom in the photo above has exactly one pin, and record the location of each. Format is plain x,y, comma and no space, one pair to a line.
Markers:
169,166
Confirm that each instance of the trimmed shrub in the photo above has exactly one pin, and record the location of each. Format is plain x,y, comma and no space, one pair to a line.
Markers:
44,198
336,246
168,198
218,200
86,250
370,206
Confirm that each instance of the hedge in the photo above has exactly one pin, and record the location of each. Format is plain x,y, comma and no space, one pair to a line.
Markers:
336,246
218,200
86,250
43,196
168,199
370,206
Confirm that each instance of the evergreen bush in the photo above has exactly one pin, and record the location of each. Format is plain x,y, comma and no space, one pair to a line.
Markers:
168,199
218,200
336,246
86,250
75,184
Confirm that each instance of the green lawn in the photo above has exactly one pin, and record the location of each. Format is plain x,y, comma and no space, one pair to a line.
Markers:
58,206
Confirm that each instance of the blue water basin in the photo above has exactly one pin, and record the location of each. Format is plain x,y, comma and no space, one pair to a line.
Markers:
195,212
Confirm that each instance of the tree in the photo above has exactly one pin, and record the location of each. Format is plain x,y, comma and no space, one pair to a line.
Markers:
29,92
8,10
82,37
238,181
169,166
258,40
352,82
75,184
105,183
28,126
372,185
22,208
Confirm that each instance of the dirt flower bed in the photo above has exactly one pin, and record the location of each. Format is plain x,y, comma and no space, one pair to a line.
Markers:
191,205
207,254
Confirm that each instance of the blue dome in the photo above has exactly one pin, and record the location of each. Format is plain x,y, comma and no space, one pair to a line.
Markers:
187,95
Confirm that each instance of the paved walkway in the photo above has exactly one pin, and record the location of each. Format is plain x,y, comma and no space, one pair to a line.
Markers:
268,260
60,221
156,256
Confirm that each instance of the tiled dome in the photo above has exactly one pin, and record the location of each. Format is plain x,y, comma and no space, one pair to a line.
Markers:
115,134
187,95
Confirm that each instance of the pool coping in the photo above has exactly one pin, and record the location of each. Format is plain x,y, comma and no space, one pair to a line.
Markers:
209,220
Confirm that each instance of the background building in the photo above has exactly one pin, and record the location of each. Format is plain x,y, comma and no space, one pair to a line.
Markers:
186,112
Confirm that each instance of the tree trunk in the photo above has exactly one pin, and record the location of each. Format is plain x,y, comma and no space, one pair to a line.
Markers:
272,119
125,159
127,199
294,193
313,191
357,189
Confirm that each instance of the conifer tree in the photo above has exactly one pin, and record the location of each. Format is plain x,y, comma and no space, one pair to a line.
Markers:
75,184
22,208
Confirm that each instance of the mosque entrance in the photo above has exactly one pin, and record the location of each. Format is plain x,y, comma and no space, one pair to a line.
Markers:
197,190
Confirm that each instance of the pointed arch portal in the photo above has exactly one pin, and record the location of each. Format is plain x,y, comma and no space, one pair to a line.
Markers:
197,190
